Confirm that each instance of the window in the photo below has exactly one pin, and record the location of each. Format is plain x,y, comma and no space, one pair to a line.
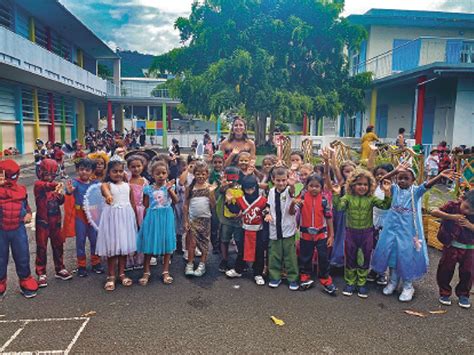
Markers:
7,104
6,15
467,52
27,103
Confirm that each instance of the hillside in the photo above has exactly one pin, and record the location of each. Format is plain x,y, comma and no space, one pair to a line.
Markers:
134,62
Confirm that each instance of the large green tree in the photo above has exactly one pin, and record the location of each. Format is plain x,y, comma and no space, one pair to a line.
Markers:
272,58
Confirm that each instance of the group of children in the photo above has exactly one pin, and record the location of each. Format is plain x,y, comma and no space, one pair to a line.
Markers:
287,221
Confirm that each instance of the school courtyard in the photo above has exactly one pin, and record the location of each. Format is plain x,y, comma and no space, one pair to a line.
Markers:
218,315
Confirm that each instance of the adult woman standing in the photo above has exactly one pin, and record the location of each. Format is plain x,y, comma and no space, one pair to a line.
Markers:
367,140
237,142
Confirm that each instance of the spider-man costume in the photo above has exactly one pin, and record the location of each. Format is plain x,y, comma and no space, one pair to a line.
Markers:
13,209
48,217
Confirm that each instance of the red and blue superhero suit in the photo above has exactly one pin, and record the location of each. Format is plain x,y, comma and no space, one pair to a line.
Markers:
84,229
48,217
13,209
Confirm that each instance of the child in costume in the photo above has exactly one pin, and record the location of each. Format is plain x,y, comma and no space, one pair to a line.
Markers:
215,177
136,165
101,159
282,220
252,206
157,236
58,155
84,230
402,245
14,213
457,235
49,197
228,214
359,203
197,212
116,237
316,232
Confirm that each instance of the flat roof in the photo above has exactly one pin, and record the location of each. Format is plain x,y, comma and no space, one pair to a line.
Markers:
52,13
414,18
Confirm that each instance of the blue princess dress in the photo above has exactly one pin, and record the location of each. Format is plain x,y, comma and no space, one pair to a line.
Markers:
157,235
396,247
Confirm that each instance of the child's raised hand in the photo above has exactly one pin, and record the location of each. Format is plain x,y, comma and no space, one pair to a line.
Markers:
213,187
298,201
59,188
450,174
228,196
268,218
236,151
170,184
292,179
325,154
69,187
386,186
336,189
403,166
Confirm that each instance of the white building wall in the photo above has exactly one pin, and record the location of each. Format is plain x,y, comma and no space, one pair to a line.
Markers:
463,123
381,37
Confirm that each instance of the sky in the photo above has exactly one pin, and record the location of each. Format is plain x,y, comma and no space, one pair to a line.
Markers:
147,25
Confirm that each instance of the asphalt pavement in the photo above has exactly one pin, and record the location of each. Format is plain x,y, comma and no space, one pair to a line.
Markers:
213,314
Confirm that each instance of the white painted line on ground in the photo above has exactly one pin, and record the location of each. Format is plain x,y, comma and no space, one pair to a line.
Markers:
76,337
25,322
43,320
8,342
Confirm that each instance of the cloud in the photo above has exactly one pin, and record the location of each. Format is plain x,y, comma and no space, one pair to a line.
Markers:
147,26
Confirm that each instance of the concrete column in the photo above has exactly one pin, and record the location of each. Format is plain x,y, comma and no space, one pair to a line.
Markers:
373,107
463,123
51,127
119,119
420,110
148,113
74,120
165,126
116,73
31,29
109,116
63,121
36,114
312,128
19,130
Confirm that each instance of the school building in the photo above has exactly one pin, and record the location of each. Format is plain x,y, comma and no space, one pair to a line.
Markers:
423,76
49,82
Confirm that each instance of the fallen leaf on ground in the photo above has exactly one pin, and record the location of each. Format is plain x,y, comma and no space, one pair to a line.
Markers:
415,313
439,311
89,314
277,321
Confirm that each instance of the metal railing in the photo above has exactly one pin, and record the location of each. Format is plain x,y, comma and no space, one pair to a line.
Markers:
416,53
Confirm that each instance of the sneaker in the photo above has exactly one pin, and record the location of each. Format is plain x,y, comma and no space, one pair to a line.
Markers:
223,267
348,290
197,252
331,289
464,302
372,276
154,261
27,293
305,285
82,272
98,269
293,286
382,280
189,269
363,292
42,281
407,294
63,275
389,289
201,270
259,280
185,255
232,273
446,300
274,283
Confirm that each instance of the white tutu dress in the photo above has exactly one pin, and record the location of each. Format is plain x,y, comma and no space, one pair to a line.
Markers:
118,225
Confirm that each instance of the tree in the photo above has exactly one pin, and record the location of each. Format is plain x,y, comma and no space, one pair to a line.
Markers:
277,58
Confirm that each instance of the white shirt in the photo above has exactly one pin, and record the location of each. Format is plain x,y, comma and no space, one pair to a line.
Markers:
288,221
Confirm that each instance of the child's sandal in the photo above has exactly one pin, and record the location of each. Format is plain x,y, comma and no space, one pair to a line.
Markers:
126,281
110,284
167,279
144,279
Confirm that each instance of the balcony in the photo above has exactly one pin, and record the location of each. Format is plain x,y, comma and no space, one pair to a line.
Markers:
419,52
20,53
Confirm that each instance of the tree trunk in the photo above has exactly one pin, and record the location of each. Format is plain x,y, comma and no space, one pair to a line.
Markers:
260,125
271,128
